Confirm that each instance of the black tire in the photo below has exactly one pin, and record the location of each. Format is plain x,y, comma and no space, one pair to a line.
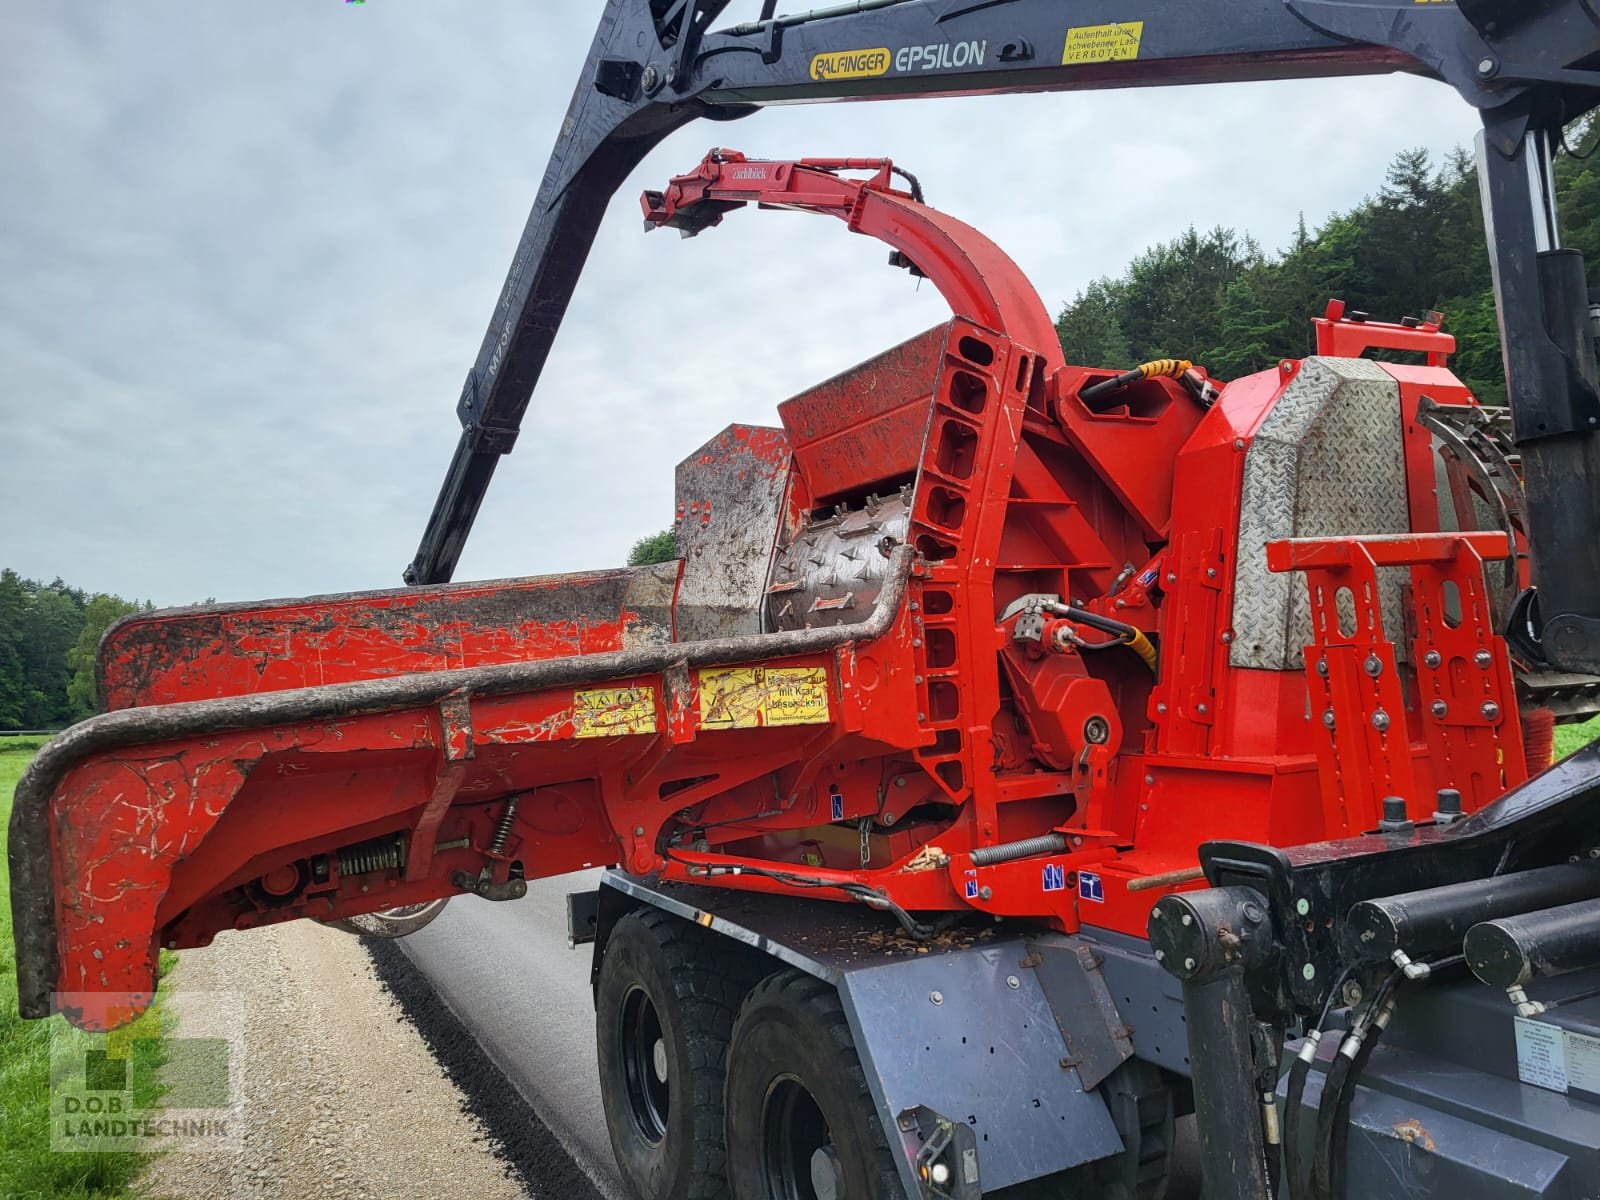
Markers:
796,1093
667,996
391,922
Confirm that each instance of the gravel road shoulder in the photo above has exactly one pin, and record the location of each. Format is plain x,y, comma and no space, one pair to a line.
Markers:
342,1095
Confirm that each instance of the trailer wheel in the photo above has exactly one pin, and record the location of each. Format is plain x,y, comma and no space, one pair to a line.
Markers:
391,922
664,1009
801,1123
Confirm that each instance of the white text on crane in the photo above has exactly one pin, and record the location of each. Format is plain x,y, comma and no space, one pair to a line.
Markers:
940,56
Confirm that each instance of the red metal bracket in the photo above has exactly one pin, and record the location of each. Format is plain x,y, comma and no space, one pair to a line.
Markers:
1466,702
1340,337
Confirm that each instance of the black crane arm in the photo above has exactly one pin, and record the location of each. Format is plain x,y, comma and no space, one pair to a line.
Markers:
656,65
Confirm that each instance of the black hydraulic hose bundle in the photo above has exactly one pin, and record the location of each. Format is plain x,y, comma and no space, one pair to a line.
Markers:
1341,1073
1293,1103
1332,1134
1338,1090
919,930
1299,1072
1341,1118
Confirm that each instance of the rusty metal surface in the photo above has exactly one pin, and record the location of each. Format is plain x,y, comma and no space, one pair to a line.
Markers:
238,649
1086,1012
730,501
863,429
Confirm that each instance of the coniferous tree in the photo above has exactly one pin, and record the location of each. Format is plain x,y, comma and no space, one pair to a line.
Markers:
1090,328
1416,245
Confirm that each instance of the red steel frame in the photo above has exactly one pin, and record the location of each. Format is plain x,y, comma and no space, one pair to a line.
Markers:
537,727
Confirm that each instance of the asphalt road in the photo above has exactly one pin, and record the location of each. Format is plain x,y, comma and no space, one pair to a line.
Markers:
506,973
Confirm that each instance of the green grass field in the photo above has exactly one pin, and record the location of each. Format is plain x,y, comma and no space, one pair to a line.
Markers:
29,1169
1571,737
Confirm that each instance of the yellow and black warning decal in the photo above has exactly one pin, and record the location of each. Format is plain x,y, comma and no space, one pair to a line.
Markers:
851,64
613,712
752,697
1117,42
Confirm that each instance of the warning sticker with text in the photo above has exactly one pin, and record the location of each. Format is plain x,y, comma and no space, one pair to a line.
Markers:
752,697
1555,1058
1116,42
1541,1054
1583,1062
613,712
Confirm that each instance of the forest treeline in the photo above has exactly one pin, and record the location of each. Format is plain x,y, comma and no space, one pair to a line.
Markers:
48,636
1220,299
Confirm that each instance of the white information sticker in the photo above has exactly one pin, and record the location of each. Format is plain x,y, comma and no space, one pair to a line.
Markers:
1583,1062
1541,1054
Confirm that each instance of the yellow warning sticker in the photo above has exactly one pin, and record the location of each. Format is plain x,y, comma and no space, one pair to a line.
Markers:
796,696
850,64
751,697
1116,42
613,712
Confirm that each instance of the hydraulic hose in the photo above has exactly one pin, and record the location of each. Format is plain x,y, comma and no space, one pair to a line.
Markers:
1168,368
1143,647
1294,1099
1274,1143
1333,1086
1341,1118
1268,1046
1346,1095
871,897
1338,1090
1126,635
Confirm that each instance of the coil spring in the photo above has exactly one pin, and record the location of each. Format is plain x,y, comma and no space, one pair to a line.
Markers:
1045,843
502,827
385,854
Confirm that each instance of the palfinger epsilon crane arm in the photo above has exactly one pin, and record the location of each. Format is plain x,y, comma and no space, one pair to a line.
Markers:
656,65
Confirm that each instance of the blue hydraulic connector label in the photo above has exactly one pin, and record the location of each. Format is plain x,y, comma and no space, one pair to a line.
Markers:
837,800
1055,877
1090,887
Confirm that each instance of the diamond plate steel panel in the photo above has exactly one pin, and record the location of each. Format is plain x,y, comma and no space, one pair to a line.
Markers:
1326,461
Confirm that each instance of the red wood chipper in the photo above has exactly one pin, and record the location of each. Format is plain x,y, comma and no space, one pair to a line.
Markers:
1139,723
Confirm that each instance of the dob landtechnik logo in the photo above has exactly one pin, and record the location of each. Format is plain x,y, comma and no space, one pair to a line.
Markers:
133,1089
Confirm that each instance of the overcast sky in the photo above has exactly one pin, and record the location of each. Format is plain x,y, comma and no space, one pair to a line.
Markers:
248,252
